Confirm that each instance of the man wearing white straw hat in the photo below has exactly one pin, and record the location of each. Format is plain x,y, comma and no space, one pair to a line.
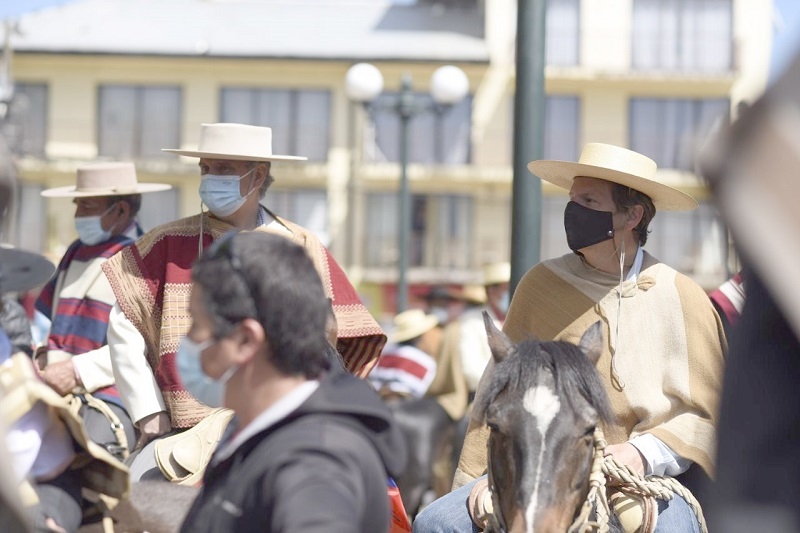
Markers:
152,282
663,358
464,350
78,298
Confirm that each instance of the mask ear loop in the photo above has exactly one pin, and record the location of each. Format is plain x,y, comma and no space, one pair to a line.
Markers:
200,237
614,373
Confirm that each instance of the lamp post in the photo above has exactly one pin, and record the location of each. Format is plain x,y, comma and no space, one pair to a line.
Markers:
449,85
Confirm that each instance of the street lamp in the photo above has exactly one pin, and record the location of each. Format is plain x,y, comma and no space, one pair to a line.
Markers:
449,85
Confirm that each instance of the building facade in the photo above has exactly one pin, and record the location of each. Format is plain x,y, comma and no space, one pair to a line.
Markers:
120,80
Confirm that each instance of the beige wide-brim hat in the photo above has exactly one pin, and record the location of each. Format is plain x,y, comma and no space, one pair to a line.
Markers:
494,273
21,270
411,324
618,165
105,179
474,294
236,142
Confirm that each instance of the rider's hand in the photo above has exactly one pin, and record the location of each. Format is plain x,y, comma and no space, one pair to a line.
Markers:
61,376
151,427
627,454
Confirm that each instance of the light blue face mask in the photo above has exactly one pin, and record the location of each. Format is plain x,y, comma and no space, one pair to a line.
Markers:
222,194
504,302
190,369
90,229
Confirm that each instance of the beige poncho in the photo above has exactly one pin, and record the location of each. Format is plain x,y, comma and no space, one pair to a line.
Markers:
669,352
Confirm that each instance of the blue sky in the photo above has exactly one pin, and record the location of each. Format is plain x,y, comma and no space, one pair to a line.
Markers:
786,41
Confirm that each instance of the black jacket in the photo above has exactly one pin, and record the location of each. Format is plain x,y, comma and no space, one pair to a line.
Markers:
321,469
16,325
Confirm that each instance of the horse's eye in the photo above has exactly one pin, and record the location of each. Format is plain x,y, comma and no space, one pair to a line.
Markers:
590,431
493,427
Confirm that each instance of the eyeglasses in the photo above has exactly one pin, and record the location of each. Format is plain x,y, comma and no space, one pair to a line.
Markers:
223,248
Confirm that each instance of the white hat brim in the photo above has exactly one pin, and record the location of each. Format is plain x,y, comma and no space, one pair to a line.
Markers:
70,191
562,174
233,157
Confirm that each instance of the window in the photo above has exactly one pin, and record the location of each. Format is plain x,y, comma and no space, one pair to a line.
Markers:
159,208
668,130
307,207
562,35
561,128
434,137
441,226
299,118
27,119
138,121
692,242
682,35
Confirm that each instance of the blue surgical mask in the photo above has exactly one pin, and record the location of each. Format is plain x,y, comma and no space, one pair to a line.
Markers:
90,229
504,302
190,369
440,313
222,194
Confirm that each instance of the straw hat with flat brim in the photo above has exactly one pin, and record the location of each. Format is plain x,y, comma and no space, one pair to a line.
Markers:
618,165
21,270
411,324
105,179
495,273
236,142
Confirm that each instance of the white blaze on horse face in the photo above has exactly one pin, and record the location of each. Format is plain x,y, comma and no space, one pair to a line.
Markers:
543,405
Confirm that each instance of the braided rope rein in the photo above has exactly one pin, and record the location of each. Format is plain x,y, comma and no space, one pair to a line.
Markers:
603,467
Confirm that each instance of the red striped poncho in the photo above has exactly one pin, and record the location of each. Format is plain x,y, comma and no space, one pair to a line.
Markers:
152,283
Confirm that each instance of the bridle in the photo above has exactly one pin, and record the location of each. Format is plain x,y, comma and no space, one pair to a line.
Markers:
595,498
605,467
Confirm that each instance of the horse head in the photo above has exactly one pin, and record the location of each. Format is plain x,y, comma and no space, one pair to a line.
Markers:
542,405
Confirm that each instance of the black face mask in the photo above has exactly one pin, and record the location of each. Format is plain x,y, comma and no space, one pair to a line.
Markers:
586,227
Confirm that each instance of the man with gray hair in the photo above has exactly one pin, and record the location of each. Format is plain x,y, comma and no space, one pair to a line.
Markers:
152,282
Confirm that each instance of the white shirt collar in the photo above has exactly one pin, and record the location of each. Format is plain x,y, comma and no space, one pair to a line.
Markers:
636,267
268,417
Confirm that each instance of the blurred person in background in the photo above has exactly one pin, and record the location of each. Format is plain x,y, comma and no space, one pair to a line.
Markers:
406,367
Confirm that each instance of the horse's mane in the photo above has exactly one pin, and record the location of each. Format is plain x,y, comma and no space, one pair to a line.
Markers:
571,369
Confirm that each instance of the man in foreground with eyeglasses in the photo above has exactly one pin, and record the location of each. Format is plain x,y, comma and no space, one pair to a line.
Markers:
308,449
152,282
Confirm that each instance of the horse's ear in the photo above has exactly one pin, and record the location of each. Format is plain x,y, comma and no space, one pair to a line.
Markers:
592,342
499,343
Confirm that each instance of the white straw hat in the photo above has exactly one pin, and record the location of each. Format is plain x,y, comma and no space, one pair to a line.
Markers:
494,273
105,179
618,165
411,324
237,142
